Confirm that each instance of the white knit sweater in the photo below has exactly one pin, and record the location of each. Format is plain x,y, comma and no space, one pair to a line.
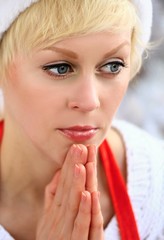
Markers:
145,182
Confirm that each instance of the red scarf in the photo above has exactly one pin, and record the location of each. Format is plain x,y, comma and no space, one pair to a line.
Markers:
119,195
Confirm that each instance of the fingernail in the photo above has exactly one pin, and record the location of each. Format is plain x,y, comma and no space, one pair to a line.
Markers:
72,149
77,152
83,197
96,196
76,171
93,148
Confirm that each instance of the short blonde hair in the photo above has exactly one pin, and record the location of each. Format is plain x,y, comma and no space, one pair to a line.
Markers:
49,21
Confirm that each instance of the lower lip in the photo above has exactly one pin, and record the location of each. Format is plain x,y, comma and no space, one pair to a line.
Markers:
79,136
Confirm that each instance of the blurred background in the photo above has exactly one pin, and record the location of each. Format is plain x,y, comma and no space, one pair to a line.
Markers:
144,102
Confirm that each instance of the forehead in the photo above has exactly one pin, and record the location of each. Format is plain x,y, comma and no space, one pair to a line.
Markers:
101,39
92,46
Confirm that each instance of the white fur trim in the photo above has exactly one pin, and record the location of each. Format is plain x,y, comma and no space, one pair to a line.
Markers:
10,9
145,13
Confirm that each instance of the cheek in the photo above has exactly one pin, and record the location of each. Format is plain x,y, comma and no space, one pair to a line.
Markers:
113,94
33,111
32,105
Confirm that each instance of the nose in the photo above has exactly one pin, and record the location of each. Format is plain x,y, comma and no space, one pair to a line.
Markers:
85,96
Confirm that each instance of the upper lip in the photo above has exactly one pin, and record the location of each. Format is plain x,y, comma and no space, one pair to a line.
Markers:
79,128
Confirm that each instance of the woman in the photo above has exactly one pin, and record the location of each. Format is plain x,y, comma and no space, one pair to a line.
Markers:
65,161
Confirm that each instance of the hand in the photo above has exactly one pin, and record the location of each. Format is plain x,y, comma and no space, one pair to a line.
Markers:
71,211
96,225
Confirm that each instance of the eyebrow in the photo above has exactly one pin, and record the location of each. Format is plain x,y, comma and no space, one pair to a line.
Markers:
67,52
116,49
72,54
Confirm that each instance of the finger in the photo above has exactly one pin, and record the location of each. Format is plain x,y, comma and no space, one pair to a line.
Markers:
77,154
43,224
50,191
73,200
96,227
83,219
56,214
61,220
47,219
91,153
91,170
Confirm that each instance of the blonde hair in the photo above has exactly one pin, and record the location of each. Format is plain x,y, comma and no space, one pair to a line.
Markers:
49,21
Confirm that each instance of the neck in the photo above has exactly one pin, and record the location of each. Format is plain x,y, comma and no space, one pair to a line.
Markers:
24,170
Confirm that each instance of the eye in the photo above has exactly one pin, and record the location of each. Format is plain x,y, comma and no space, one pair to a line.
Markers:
113,67
59,69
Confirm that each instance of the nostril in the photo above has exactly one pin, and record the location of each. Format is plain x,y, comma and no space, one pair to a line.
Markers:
76,107
73,105
84,106
84,101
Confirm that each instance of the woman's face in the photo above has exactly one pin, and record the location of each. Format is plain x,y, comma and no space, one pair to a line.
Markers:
69,93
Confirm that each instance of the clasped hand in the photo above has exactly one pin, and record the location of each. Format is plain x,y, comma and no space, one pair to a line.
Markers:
72,206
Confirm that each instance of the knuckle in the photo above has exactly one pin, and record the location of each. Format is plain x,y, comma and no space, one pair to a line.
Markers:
72,207
81,226
97,223
57,203
92,187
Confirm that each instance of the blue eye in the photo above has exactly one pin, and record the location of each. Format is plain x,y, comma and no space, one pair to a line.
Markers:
112,67
58,69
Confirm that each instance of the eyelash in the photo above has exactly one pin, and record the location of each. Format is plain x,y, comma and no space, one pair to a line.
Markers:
115,64
69,68
48,69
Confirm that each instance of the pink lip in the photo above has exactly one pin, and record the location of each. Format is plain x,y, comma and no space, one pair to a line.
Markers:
79,133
